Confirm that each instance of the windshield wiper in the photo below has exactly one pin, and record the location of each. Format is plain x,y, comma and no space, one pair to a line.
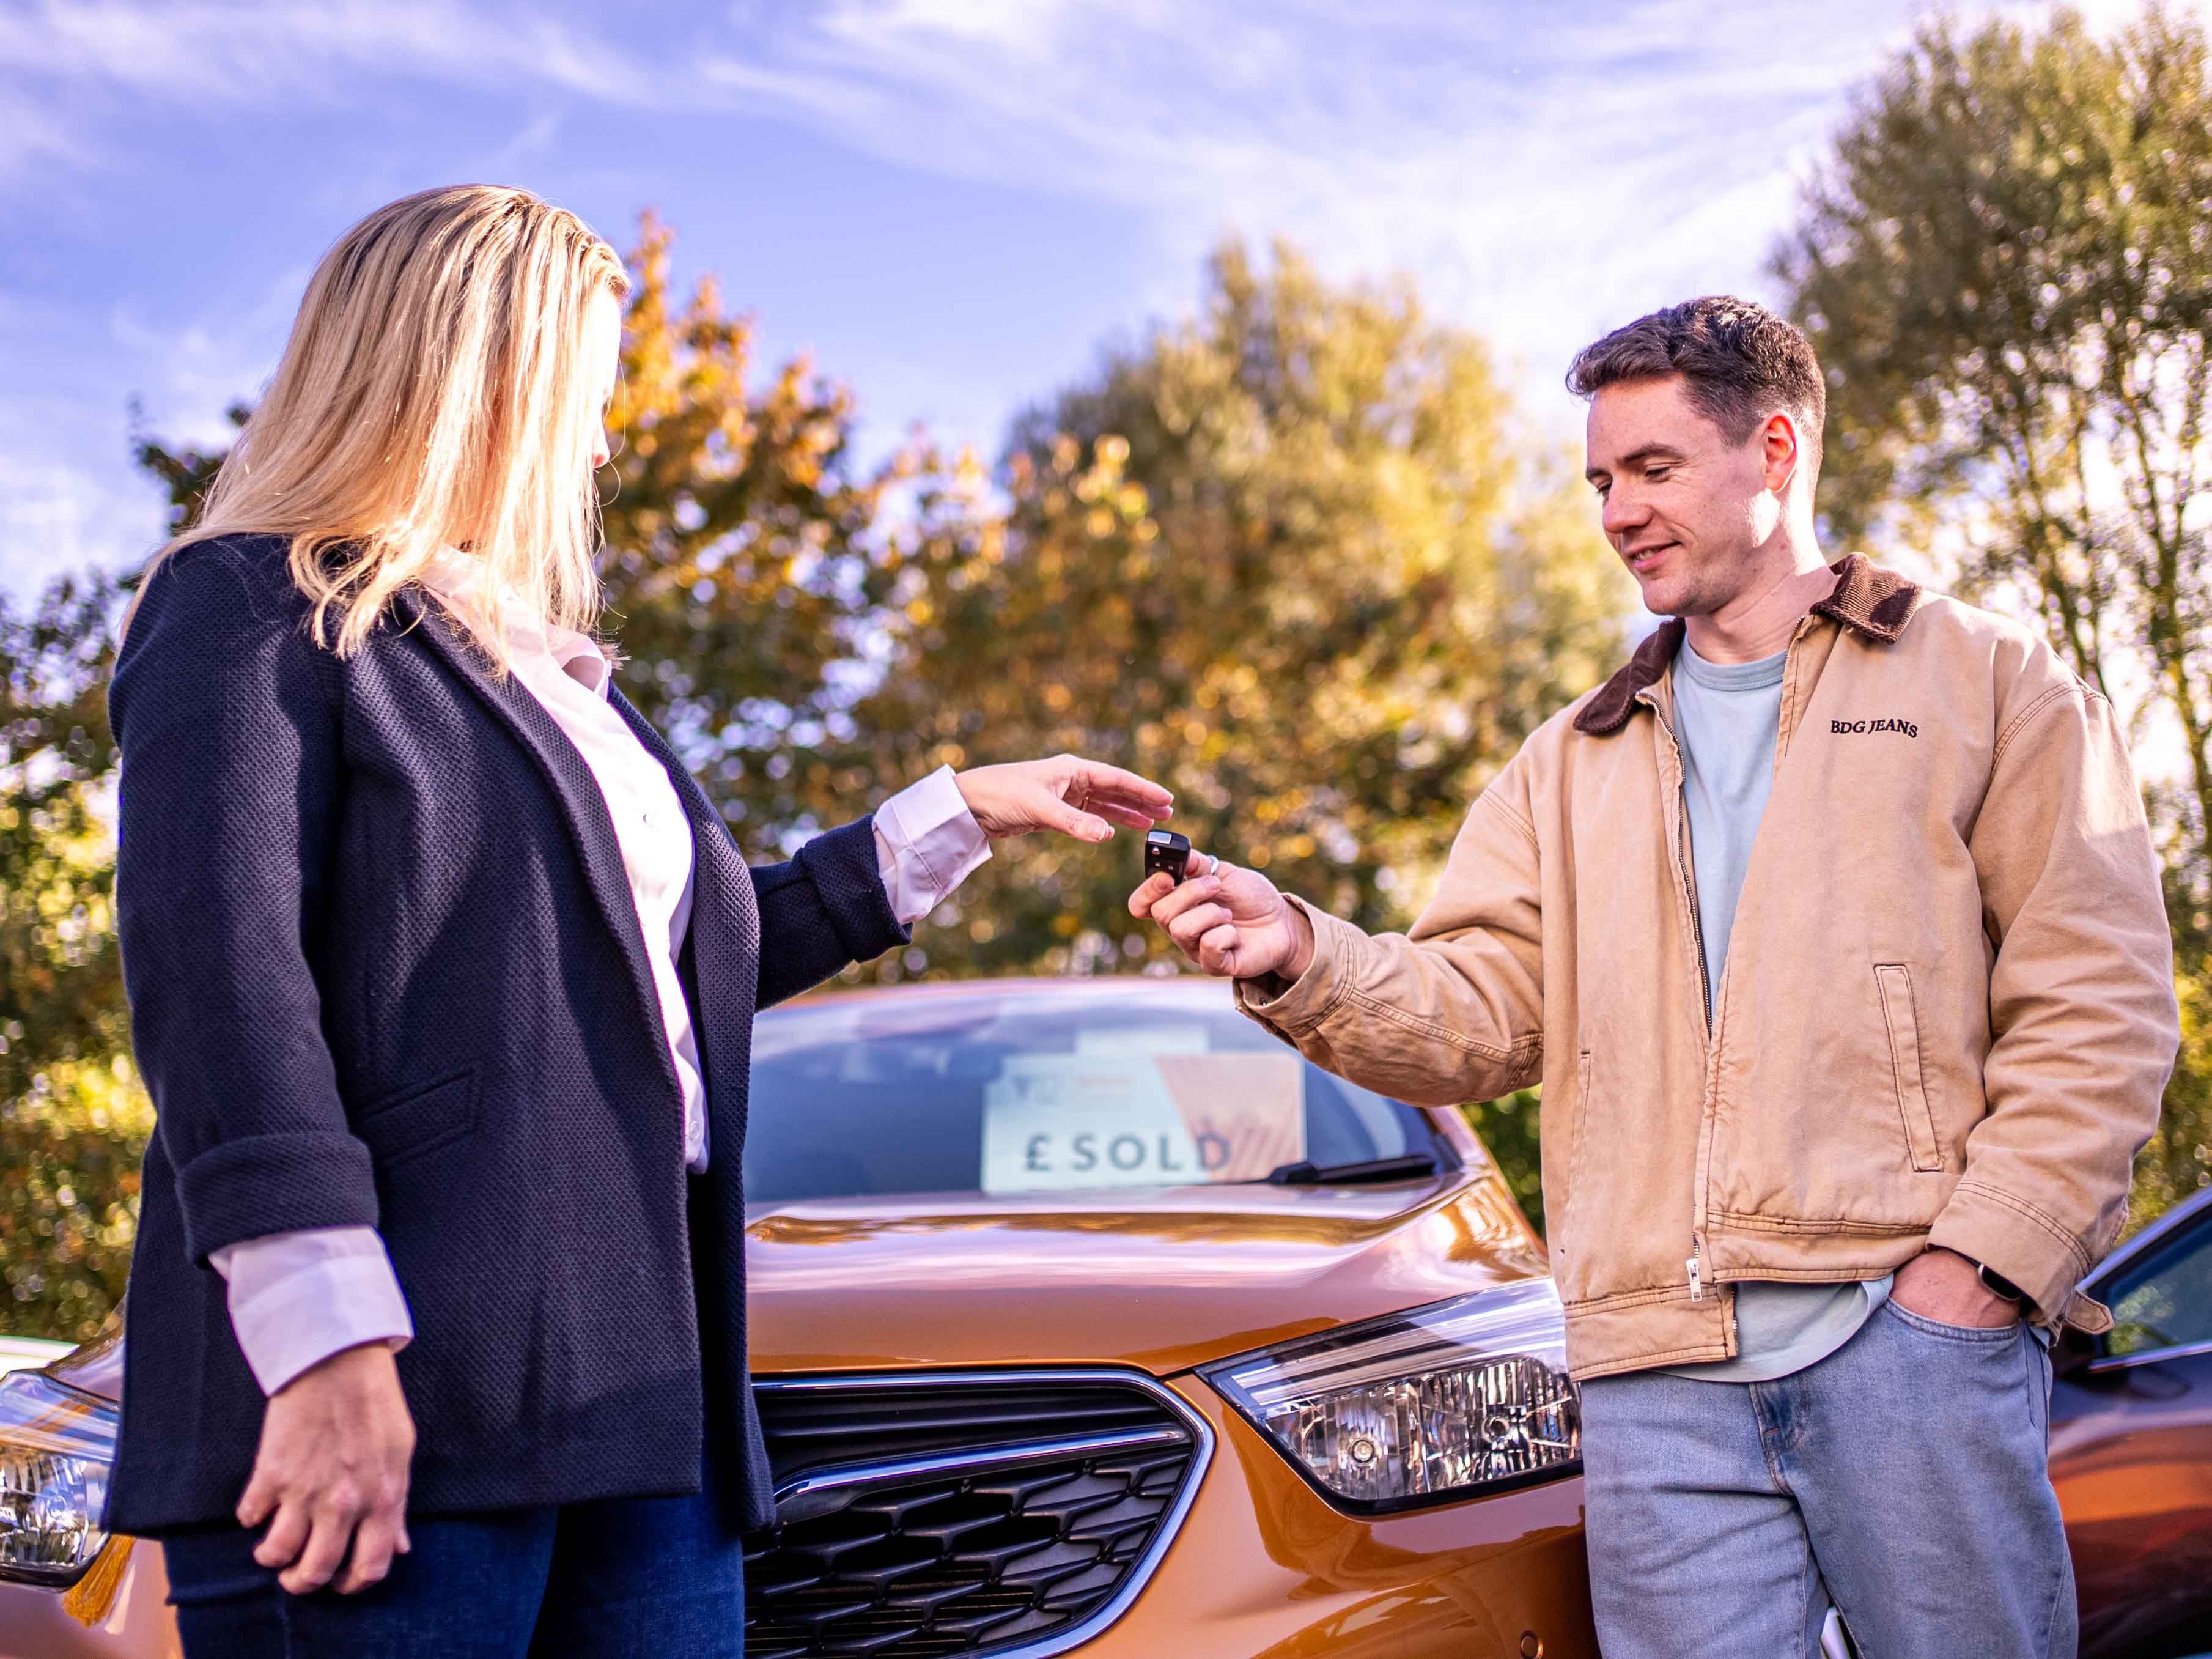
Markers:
1305,1173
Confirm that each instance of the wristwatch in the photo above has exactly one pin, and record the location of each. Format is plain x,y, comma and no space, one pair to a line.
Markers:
1996,1284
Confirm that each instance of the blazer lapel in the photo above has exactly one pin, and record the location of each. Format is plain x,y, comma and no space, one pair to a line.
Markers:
725,935
719,871
583,805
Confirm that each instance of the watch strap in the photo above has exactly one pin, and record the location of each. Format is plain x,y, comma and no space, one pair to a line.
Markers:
1996,1284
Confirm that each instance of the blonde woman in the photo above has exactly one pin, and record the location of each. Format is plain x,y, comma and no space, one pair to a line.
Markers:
442,972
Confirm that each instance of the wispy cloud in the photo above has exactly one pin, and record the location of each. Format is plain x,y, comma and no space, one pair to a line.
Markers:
253,52
1540,168
69,69
56,513
1544,170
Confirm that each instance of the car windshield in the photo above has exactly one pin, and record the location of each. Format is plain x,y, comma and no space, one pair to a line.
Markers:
1039,1088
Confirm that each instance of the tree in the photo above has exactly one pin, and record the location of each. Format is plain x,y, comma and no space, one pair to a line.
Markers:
740,567
736,574
1297,560
2006,271
183,473
73,1121
1291,559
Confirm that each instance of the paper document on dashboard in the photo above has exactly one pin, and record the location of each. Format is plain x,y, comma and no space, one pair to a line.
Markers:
1141,1119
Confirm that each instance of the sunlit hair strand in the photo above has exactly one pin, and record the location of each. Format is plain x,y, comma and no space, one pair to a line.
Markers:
433,392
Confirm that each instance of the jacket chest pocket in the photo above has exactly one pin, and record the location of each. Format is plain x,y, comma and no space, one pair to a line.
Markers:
1894,982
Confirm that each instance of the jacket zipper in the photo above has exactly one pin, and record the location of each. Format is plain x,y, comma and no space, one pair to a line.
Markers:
1706,1006
1695,1265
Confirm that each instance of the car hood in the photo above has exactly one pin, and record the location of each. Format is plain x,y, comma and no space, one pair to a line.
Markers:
1161,1278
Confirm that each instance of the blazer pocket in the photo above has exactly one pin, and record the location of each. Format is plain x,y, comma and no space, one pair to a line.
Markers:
419,1119
1894,982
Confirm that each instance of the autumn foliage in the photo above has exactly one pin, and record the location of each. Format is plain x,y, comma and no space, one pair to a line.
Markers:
1297,556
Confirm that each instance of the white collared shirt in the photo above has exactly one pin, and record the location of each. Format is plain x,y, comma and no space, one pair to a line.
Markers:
297,1298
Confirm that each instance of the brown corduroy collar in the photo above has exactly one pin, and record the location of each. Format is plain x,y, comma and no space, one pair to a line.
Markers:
1866,598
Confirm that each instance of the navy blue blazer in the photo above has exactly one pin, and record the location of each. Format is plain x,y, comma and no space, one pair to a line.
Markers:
385,970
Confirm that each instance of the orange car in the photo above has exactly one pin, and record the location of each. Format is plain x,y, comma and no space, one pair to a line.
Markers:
2131,1445
1084,1316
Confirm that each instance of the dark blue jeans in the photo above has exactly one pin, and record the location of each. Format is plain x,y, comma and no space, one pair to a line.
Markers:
621,1578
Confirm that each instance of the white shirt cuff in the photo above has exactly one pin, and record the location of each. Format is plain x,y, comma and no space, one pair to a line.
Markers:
296,1298
927,842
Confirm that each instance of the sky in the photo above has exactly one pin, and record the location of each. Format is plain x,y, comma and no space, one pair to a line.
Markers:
951,205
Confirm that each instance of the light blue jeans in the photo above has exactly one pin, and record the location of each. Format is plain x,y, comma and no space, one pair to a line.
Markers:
1904,1476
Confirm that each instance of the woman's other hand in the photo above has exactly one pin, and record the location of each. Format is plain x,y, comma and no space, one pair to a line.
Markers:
330,1478
1077,797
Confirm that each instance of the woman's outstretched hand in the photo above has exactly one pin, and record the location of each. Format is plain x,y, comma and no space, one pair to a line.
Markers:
1077,797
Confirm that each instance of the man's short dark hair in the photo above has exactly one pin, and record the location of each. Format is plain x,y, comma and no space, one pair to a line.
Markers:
1739,362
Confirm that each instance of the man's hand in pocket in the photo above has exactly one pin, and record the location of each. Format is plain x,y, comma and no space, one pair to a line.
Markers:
1944,1287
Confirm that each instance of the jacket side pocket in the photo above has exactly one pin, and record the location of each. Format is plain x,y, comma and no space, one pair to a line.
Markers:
1894,981
419,1120
1575,1137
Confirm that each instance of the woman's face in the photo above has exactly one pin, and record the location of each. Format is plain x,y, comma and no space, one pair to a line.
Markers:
602,362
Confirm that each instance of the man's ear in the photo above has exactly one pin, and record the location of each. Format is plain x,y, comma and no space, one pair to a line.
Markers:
1780,452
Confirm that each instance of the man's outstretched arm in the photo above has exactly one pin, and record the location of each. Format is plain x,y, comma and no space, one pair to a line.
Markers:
1451,1011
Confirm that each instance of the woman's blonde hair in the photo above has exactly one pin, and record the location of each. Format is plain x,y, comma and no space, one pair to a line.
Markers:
433,392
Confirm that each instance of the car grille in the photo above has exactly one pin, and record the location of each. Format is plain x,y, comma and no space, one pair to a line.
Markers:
977,1513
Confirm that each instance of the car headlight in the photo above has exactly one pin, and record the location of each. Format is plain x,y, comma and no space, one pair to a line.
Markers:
1434,1404
57,1444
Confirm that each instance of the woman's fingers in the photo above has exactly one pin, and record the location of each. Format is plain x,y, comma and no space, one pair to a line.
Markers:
1079,798
326,1550
335,1443
260,1499
1129,818
374,1543
1100,781
1053,813
382,1532
287,1535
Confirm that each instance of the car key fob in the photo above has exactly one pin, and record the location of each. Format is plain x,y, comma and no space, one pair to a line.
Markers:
1166,850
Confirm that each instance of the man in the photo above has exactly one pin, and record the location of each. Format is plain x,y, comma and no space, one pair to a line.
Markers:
1831,925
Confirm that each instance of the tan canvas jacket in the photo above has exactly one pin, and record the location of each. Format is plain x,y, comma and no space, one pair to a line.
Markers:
1948,1014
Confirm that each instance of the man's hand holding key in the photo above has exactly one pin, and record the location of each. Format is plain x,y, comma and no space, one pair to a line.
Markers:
1233,922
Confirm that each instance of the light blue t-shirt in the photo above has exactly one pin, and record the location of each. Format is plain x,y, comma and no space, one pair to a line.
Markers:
1728,717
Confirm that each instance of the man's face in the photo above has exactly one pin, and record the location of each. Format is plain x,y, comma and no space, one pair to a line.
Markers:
1685,509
